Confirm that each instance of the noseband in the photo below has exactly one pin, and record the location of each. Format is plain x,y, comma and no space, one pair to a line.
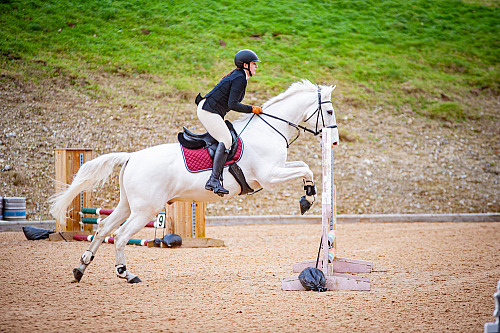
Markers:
318,112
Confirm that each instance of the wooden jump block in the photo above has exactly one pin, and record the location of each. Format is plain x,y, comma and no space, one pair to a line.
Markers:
335,281
186,243
339,265
194,243
68,162
202,242
67,235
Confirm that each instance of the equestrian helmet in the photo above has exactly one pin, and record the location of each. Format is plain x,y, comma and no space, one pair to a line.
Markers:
245,57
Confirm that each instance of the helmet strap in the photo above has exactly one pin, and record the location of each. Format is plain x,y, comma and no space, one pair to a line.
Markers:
249,71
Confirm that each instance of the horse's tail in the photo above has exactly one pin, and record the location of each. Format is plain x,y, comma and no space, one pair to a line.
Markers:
90,175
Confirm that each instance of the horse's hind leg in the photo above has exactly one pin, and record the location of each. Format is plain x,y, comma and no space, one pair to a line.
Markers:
106,227
133,225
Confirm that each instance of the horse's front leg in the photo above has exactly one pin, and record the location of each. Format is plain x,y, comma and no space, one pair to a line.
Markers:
307,200
295,164
297,169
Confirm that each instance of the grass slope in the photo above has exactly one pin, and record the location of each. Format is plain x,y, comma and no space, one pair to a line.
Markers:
416,54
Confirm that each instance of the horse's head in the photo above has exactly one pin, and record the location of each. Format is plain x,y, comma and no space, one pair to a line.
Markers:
304,101
321,114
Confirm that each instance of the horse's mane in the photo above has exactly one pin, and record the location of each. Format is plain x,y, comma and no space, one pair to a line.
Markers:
302,85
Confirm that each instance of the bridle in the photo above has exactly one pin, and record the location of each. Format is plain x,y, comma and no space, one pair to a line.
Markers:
318,112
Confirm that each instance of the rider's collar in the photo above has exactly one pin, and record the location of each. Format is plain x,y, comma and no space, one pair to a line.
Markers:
244,71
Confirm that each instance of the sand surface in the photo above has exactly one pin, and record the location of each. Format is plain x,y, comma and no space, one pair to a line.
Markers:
427,277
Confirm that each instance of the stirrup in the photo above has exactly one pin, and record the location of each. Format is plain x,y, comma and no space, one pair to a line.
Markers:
213,184
221,191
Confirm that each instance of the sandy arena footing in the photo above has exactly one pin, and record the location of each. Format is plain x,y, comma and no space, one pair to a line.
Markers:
428,277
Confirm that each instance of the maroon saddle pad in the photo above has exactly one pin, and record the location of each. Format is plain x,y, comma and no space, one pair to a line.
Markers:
197,160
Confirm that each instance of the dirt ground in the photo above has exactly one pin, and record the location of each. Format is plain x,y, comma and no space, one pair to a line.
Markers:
387,162
428,277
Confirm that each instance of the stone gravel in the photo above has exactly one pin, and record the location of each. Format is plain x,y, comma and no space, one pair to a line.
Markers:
387,161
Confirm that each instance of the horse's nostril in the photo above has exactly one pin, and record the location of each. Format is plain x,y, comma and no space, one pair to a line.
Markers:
335,143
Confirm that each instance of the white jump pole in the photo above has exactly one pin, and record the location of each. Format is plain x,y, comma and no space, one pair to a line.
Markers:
328,197
333,267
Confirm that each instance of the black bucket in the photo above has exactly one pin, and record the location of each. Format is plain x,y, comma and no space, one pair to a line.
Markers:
14,209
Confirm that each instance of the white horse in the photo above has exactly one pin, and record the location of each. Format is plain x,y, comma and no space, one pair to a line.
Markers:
154,176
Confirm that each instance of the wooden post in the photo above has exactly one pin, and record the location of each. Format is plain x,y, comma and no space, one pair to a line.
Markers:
68,162
186,219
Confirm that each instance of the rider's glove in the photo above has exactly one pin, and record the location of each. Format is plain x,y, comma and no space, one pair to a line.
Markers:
256,109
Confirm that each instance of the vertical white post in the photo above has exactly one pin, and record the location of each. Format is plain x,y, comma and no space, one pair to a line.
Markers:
334,279
327,195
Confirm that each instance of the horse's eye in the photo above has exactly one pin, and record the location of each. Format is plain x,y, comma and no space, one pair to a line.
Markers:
330,112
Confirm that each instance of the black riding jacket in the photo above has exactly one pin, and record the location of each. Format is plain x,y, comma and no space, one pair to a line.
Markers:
228,94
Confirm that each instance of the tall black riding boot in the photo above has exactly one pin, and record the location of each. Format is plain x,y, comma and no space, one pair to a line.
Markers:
213,183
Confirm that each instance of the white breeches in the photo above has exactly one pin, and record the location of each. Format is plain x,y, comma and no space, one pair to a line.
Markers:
215,125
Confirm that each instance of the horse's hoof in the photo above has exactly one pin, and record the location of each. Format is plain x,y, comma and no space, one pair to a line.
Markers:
77,273
134,280
304,205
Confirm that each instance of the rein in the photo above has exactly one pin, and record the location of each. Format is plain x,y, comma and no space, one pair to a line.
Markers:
319,112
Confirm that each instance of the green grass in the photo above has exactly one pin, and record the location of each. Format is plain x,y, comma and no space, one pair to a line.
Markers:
401,52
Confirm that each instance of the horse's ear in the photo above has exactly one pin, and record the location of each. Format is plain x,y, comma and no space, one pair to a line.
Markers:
329,89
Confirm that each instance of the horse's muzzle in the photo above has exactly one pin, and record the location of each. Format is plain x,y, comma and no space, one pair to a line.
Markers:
335,138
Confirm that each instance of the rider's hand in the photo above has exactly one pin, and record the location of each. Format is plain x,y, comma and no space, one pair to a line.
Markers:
256,109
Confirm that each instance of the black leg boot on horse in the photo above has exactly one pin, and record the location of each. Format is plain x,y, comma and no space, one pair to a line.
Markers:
214,182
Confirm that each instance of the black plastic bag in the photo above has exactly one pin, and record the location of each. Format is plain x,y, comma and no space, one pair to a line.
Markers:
33,233
312,278
172,240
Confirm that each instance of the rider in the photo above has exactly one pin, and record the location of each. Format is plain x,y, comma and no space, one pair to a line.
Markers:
225,96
